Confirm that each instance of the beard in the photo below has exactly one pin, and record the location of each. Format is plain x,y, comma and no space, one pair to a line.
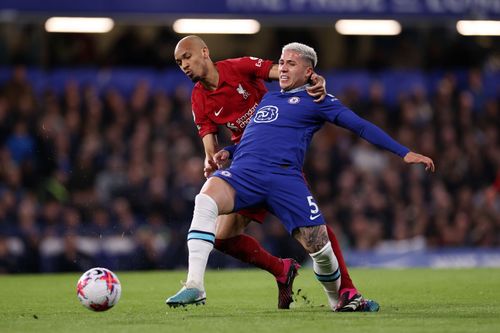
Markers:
202,73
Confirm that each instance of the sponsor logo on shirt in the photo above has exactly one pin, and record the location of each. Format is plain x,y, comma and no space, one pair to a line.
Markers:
243,121
266,114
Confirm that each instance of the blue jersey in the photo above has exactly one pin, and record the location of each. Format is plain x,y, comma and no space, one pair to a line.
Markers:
283,125
267,163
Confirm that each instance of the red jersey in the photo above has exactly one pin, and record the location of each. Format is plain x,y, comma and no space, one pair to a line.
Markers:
240,89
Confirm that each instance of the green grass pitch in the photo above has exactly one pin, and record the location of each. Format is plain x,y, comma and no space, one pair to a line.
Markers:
412,300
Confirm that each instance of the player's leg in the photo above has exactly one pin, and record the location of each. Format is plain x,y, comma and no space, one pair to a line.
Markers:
346,279
315,241
350,298
216,197
291,201
231,240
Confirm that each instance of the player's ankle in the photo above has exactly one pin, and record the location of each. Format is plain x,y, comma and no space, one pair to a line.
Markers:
282,276
333,299
194,284
350,290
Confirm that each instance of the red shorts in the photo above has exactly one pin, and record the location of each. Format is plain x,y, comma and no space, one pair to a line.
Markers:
257,214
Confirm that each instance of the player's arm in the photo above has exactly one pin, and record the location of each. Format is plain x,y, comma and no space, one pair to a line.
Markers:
219,159
227,153
317,88
274,74
376,136
223,156
210,145
207,130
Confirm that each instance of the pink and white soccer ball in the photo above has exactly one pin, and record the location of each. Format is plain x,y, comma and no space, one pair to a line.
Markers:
98,289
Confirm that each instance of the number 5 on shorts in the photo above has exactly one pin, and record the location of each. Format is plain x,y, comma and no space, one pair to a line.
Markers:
314,208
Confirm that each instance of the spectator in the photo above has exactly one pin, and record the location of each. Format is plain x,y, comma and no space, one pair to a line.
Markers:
88,168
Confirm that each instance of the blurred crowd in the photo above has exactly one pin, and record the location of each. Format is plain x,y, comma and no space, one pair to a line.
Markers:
92,177
425,46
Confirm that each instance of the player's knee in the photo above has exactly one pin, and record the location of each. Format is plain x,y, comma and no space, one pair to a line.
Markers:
204,219
206,206
221,192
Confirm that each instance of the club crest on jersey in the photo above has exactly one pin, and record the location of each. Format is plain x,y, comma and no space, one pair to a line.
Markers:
242,91
266,114
294,100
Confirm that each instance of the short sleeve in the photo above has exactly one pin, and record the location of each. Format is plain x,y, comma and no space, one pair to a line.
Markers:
253,67
203,123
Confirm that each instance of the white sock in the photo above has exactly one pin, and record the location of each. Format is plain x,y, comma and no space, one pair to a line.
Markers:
201,239
326,268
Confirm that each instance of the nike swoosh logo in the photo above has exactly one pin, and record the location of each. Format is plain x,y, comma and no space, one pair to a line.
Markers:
312,218
218,112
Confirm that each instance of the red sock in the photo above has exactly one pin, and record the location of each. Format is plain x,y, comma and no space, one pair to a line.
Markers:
248,250
345,280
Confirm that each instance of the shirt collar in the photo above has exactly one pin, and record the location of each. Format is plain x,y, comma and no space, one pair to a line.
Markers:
294,90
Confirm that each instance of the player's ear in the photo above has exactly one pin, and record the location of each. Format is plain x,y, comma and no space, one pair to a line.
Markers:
309,72
205,52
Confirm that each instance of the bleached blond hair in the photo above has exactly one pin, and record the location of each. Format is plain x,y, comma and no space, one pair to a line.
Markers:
305,52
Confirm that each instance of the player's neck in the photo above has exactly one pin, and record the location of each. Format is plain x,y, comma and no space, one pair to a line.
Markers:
211,81
295,89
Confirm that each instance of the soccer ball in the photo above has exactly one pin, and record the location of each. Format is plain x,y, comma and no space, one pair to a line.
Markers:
98,289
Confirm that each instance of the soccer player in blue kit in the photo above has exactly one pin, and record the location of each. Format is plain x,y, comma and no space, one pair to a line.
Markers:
267,171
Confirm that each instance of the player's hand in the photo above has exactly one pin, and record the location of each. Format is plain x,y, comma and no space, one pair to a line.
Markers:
414,158
210,167
221,158
217,162
318,87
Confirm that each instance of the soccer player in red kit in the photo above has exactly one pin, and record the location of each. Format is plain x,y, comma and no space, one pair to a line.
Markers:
226,93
